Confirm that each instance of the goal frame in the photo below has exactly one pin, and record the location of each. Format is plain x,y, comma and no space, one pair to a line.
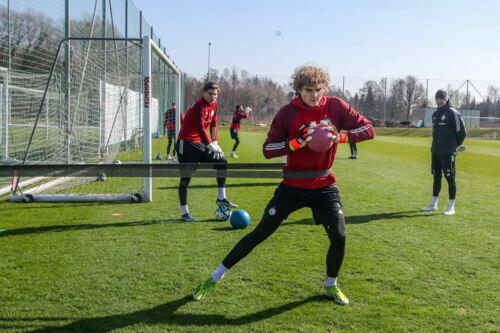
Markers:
149,47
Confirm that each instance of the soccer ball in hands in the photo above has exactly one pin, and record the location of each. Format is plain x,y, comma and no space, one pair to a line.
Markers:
248,110
222,213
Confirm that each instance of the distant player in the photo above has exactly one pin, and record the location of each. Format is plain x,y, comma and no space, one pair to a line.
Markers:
235,126
308,177
194,145
448,133
169,125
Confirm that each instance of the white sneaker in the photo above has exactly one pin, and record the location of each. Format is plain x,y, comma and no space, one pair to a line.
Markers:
233,155
429,208
450,211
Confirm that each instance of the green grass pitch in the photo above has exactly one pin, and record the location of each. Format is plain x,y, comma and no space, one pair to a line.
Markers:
78,268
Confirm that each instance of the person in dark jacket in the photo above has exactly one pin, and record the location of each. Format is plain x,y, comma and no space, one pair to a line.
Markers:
448,133
308,177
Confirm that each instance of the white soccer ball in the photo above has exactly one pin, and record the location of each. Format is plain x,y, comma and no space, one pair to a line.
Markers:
248,110
222,213
117,162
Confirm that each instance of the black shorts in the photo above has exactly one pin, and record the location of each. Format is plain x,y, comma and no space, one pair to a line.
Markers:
324,203
234,134
195,152
443,163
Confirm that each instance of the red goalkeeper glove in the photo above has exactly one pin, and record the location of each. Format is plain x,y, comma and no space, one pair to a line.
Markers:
304,136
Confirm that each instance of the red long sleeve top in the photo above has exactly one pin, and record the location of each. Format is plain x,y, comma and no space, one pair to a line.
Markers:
198,118
237,119
285,127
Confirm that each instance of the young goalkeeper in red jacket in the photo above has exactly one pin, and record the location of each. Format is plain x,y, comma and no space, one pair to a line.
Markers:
308,177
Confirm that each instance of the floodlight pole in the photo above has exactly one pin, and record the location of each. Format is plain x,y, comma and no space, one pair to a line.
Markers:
208,71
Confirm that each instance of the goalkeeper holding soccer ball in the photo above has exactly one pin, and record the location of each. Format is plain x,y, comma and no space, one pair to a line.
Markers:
194,146
308,178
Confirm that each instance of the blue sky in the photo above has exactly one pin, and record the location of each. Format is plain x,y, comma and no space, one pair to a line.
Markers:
440,39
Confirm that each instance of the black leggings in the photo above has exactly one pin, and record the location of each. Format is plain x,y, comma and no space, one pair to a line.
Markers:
193,152
326,208
444,164
171,139
236,137
354,149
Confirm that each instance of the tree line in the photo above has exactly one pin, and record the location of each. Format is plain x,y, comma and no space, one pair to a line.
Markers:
394,100
30,38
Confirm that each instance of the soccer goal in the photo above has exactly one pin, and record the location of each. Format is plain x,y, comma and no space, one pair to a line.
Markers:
103,102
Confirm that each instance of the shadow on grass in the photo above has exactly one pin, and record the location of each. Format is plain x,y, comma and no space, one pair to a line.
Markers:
62,228
43,205
165,314
358,219
227,185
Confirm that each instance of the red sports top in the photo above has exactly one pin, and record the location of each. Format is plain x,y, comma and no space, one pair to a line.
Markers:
169,119
237,119
285,127
198,118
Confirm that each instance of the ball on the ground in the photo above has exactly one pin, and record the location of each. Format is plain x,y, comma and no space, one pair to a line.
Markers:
240,219
159,156
222,213
321,139
101,177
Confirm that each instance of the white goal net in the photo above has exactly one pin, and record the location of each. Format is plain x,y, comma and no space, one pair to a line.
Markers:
90,112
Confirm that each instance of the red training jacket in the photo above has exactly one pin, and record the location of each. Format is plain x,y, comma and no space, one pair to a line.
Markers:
169,119
285,127
237,119
198,118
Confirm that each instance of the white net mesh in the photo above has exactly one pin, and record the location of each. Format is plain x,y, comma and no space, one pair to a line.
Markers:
94,116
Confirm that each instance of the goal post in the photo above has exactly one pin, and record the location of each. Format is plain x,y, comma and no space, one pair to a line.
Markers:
149,48
115,109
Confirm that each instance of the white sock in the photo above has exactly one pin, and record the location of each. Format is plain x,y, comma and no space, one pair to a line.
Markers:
218,274
451,204
185,210
434,201
330,281
222,193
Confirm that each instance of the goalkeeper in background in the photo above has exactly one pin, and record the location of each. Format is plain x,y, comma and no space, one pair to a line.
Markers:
194,145
235,126
169,126
308,177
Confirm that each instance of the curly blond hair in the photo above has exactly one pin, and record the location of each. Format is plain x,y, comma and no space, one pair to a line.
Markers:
309,75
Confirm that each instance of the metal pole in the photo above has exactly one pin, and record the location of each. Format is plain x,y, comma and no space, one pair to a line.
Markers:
343,86
6,88
208,71
67,77
103,82
467,94
146,82
125,105
385,100
426,91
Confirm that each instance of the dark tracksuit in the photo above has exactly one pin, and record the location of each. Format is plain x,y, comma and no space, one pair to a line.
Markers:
448,132
318,193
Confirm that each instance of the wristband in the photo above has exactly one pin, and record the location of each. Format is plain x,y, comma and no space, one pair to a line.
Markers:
294,144
343,137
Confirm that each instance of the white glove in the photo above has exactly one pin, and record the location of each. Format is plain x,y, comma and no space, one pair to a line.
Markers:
216,149
247,110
